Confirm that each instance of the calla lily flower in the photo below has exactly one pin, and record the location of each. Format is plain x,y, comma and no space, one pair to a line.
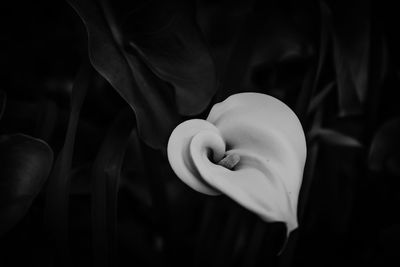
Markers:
251,148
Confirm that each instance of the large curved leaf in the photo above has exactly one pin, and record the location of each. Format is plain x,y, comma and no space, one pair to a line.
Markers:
168,40
25,165
151,52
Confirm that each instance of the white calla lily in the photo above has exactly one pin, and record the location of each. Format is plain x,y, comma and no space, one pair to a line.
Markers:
266,142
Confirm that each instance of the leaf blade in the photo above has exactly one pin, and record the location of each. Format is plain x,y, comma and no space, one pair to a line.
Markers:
106,175
138,75
58,189
351,45
26,164
332,137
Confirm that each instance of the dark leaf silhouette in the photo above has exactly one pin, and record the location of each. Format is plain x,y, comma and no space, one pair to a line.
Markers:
326,28
106,179
152,53
168,40
384,153
333,137
319,98
351,44
221,22
58,190
306,101
25,165
272,46
313,150
3,100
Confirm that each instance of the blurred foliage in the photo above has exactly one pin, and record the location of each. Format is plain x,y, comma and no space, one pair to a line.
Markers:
26,163
110,197
143,49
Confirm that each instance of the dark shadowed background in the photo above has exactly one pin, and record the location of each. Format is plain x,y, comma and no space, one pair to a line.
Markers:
91,90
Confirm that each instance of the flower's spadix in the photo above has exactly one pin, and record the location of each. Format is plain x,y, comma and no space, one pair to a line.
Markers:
230,161
251,148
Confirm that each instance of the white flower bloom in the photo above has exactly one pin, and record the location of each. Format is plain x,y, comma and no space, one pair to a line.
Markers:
267,140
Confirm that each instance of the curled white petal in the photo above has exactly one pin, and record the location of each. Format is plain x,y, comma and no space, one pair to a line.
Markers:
268,138
179,154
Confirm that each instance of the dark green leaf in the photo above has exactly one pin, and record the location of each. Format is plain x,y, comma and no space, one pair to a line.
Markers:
326,28
351,44
25,165
58,189
143,49
305,100
166,36
3,101
271,50
332,137
47,119
106,178
389,244
220,22
383,62
206,233
384,152
379,76
319,98
313,150
305,95
258,232
226,238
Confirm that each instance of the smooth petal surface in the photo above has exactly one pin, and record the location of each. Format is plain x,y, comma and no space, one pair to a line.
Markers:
268,138
179,151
